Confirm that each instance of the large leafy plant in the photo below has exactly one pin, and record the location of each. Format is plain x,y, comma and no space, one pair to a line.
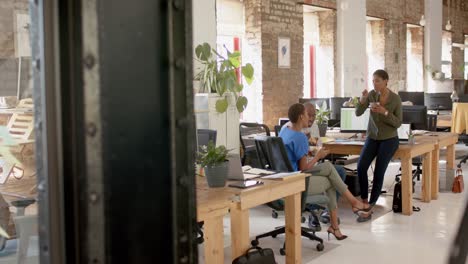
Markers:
218,75
211,155
322,113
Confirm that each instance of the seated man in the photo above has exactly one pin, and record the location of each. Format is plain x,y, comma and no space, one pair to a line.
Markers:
312,133
327,179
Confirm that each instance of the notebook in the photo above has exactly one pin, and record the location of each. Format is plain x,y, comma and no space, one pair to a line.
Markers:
403,132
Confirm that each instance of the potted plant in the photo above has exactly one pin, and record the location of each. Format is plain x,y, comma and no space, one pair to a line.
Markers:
219,74
213,160
322,116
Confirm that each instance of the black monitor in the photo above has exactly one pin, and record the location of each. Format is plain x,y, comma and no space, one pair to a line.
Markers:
438,101
204,136
336,103
417,98
416,115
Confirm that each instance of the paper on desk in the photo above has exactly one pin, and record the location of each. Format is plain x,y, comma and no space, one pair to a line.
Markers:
257,171
3,233
327,139
281,175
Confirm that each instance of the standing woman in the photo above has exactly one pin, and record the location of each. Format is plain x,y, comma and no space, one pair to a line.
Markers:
382,137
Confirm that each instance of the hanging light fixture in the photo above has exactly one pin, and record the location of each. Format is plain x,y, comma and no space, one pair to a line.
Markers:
422,21
448,26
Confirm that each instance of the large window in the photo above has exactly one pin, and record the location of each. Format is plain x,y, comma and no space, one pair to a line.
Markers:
375,45
466,58
446,67
17,163
414,58
319,42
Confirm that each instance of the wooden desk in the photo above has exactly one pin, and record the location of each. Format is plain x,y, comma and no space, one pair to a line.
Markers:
444,121
405,153
214,203
440,140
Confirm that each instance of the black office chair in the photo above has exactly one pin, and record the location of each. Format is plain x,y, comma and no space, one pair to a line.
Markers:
247,133
272,155
203,137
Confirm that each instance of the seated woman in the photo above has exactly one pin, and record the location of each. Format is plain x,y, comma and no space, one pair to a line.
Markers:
327,180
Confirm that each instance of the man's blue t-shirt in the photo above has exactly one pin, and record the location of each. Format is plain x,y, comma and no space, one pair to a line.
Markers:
296,144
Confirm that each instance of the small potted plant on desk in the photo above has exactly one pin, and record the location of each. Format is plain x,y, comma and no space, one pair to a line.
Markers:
322,116
213,160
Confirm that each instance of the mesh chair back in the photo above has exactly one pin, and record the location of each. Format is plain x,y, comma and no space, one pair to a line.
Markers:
276,158
247,133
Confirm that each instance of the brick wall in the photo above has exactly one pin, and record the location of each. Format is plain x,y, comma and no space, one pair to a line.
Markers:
281,87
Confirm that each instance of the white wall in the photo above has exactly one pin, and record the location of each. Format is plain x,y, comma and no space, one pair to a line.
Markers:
351,39
432,42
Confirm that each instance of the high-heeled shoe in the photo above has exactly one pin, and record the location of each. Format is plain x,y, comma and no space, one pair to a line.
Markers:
361,210
334,233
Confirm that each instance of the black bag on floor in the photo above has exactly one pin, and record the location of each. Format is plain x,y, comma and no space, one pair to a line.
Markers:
256,255
397,205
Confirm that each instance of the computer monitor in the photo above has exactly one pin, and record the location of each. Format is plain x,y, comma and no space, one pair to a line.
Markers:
417,98
282,121
403,132
438,101
352,123
336,103
416,115
204,136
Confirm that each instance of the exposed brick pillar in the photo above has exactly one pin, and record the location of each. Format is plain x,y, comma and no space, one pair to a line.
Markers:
395,53
276,18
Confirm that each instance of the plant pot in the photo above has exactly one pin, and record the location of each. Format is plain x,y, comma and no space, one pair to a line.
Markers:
216,175
323,129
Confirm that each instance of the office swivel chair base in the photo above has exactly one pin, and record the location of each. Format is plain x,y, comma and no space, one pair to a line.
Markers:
305,232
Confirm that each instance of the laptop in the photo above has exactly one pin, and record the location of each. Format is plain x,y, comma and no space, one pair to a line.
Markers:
235,169
403,132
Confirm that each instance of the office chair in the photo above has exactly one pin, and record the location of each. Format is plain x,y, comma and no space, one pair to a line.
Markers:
247,133
204,136
272,155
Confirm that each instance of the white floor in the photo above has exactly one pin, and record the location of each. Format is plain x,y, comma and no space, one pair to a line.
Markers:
425,237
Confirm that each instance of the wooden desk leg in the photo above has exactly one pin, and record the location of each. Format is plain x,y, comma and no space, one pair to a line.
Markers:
427,177
214,240
450,157
239,232
406,186
293,228
435,174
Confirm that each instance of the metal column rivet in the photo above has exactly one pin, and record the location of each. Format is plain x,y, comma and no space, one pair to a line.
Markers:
36,64
183,238
184,259
91,129
93,197
180,63
89,61
178,4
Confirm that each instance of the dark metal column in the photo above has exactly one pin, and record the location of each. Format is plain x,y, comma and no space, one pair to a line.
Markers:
115,131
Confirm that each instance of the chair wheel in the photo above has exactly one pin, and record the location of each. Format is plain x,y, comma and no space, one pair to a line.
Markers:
320,247
274,214
282,251
273,236
303,219
254,243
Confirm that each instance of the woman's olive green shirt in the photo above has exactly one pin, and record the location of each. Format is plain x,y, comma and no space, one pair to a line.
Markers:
382,127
